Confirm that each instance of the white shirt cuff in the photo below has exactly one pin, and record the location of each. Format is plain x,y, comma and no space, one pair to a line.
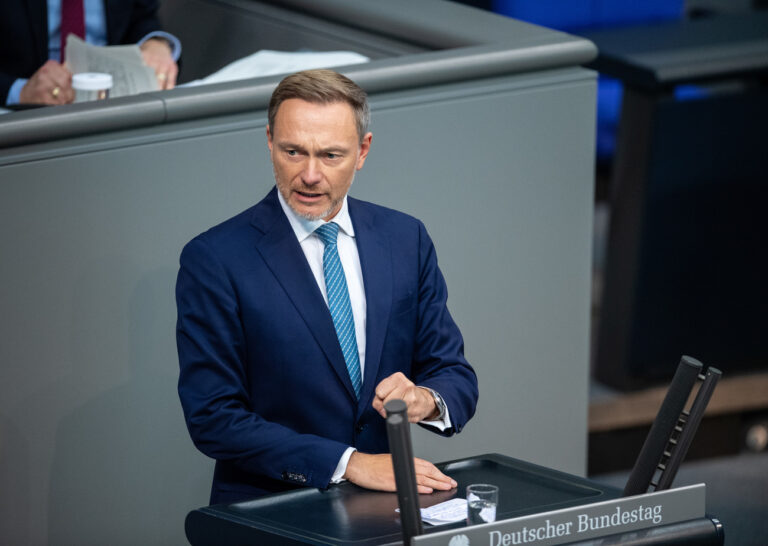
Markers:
341,468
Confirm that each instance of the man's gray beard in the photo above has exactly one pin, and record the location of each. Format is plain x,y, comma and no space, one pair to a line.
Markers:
309,216
313,217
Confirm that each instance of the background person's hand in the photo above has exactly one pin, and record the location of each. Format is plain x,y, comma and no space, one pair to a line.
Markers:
376,472
157,55
420,402
51,84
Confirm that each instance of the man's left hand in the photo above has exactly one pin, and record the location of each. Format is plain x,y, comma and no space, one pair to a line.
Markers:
157,54
376,472
421,403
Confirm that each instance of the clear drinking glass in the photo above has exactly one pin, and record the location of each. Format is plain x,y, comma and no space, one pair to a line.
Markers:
482,499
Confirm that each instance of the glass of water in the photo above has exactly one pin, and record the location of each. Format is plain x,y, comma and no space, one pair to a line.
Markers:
482,499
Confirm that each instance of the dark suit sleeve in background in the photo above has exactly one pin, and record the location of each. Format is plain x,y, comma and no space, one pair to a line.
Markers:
23,40
128,21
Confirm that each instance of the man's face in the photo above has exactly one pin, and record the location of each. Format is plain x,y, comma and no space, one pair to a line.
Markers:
315,152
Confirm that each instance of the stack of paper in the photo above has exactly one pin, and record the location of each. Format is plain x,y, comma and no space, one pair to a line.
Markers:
129,73
268,63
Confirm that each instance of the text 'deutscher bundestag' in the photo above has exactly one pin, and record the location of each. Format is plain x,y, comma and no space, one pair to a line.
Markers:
580,522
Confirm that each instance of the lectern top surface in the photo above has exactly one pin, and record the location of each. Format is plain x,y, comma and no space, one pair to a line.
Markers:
347,514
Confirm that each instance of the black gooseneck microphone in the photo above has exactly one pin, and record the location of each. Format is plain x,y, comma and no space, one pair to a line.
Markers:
399,436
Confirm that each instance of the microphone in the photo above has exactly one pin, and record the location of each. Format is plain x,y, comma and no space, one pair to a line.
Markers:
400,447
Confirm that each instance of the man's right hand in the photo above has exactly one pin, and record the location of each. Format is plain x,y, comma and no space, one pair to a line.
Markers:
376,472
51,84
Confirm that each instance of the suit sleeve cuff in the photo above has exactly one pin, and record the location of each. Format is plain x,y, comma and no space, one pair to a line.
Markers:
172,40
341,468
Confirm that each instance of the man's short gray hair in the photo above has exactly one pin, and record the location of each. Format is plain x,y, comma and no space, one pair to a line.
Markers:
322,86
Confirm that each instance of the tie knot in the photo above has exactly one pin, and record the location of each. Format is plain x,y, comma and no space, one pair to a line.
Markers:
328,233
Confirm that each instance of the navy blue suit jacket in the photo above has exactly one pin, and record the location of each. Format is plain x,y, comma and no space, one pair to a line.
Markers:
263,383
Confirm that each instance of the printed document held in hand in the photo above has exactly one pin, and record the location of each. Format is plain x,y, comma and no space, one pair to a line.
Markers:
129,73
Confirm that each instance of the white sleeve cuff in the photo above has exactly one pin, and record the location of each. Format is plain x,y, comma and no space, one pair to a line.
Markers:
341,468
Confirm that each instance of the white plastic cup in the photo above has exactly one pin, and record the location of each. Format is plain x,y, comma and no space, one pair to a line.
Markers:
91,86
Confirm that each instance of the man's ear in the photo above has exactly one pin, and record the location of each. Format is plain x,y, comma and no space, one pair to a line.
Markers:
365,147
269,138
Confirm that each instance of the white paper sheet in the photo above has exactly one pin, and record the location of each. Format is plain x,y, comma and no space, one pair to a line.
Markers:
129,73
449,511
267,63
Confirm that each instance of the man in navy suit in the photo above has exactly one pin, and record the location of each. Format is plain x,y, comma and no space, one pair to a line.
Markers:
267,388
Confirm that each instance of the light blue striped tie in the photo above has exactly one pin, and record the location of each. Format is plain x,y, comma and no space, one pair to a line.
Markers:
338,302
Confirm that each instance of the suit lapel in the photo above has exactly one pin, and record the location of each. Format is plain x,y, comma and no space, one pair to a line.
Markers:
37,16
376,263
284,257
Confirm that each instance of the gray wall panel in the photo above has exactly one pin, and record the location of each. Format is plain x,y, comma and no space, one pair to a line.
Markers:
503,183
93,448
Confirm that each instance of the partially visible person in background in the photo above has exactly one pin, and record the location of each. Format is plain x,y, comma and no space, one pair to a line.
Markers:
33,34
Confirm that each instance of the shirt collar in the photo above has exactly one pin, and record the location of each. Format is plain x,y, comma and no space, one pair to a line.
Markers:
303,228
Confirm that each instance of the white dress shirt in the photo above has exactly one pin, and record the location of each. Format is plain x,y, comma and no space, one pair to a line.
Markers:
313,248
